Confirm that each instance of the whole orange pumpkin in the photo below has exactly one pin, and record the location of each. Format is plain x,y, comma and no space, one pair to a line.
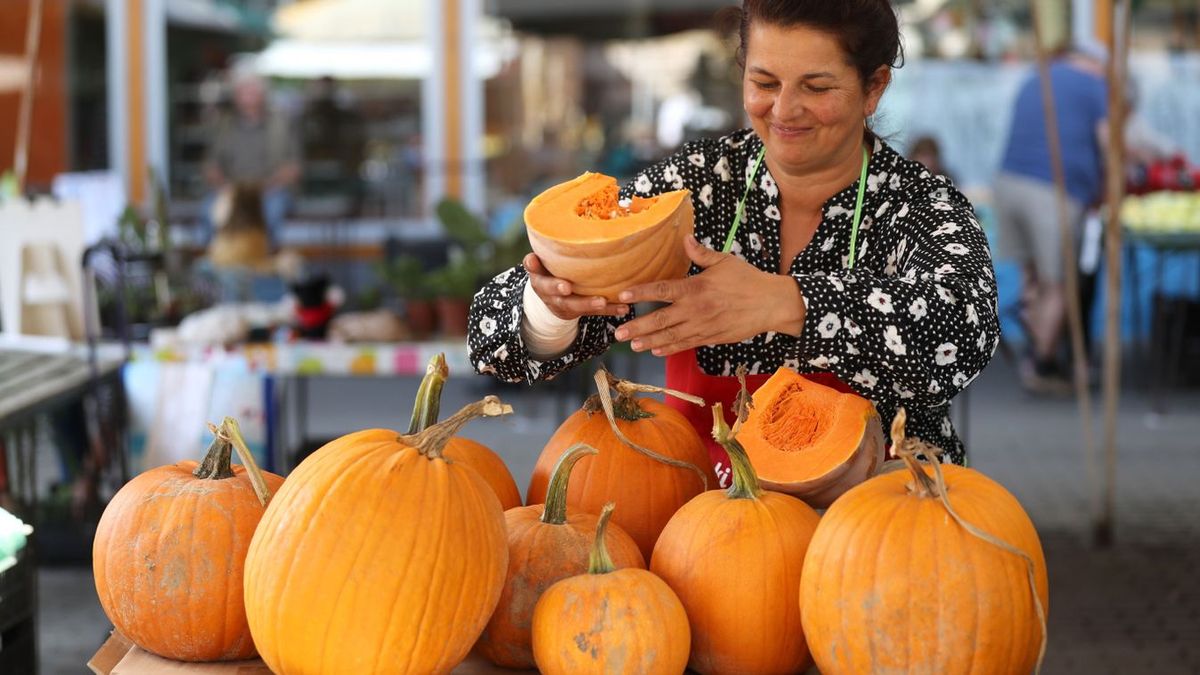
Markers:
649,489
472,453
912,574
377,556
734,558
616,622
169,551
545,544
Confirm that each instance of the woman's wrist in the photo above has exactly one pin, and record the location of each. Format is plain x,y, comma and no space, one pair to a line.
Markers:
789,310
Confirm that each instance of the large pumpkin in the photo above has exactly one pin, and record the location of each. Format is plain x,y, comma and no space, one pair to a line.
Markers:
734,559
610,621
912,574
169,551
582,234
458,449
377,556
650,482
810,440
545,544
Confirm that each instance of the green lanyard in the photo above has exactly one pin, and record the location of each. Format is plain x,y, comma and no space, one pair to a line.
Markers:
858,202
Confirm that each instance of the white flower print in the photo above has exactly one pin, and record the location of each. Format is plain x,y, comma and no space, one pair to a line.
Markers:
642,184
769,336
943,206
934,387
768,185
755,242
984,285
891,338
982,342
956,249
902,392
945,269
865,378
736,248
503,277
837,284
946,296
737,141
722,170
501,353
696,159
772,212
827,245
903,211
829,326
823,362
882,209
515,319
947,430
960,379
794,364
484,368
487,326
706,195
836,211
972,315
853,328
497,304
894,183
672,177
946,354
851,349
880,301
889,269
874,180
940,194
866,224
946,228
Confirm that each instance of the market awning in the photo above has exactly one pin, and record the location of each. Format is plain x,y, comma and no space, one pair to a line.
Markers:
411,60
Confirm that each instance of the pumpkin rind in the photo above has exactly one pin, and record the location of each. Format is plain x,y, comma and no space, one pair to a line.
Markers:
648,492
603,256
375,557
809,440
168,557
622,622
734,558
892,583
540,554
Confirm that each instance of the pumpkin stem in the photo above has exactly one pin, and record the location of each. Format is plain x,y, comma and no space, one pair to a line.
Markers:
598,560
216,461
555,510
429,395
230,432
745,481
603,382
743,402
432,441
936,487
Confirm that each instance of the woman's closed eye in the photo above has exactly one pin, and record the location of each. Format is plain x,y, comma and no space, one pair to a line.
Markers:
764,85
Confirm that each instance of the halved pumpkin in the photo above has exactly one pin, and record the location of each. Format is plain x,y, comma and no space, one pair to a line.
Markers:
809,440
582,234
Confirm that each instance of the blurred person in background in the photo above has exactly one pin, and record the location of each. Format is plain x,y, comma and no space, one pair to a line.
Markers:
254,148
927,151
845,261
1026,200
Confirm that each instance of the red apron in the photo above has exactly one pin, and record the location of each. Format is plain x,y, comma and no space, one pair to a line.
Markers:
684,374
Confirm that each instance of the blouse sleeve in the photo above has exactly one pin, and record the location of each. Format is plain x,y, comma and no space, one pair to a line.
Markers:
922,331
494,336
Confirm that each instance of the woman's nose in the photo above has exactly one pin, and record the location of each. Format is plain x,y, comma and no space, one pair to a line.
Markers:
789,104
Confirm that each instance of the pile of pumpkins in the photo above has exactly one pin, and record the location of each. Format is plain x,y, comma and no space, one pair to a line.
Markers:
385,552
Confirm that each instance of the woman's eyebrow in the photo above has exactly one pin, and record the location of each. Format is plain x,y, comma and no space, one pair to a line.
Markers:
758,70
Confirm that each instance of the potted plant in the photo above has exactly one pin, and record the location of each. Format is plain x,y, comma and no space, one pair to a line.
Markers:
413,285
456,284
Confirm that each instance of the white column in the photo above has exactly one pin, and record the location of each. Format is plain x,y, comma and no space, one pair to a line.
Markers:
1083,21
156,101
118,113
433,108
474,175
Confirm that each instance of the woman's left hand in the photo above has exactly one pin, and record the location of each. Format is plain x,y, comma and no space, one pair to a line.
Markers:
730,300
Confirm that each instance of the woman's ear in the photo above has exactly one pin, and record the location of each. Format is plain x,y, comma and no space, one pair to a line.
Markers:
878,84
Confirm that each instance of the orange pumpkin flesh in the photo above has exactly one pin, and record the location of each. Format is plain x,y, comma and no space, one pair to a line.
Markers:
892,583
734,559
377,556
810,440
472,453
617,622
168,557
545,544
649,491
581,234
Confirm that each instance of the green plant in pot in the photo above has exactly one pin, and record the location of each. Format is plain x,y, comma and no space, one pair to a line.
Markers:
412,284
456,284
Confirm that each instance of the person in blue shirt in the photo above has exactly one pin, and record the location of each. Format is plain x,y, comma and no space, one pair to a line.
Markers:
1026,202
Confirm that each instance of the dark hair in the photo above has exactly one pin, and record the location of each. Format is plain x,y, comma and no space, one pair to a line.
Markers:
867,30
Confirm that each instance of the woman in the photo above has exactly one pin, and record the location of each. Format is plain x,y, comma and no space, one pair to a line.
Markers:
898,303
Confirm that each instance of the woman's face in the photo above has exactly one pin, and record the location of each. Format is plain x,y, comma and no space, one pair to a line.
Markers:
804,97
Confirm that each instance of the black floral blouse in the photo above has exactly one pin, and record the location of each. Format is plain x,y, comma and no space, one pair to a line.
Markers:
912,324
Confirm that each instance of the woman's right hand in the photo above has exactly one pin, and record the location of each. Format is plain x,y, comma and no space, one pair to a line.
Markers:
559,296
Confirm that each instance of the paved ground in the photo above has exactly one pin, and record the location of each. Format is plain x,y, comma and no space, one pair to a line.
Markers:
1134,608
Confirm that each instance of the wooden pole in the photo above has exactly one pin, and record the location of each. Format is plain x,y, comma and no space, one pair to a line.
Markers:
135,76
452,91
1070,262
1118,65
33,36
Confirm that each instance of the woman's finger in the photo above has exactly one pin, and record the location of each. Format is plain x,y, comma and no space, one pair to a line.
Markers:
655,322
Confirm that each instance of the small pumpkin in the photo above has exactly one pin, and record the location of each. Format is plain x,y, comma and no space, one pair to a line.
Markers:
169,551
666,465
582,234
545,544
610,621
472,453
810,440
734,558
378,556
909,573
